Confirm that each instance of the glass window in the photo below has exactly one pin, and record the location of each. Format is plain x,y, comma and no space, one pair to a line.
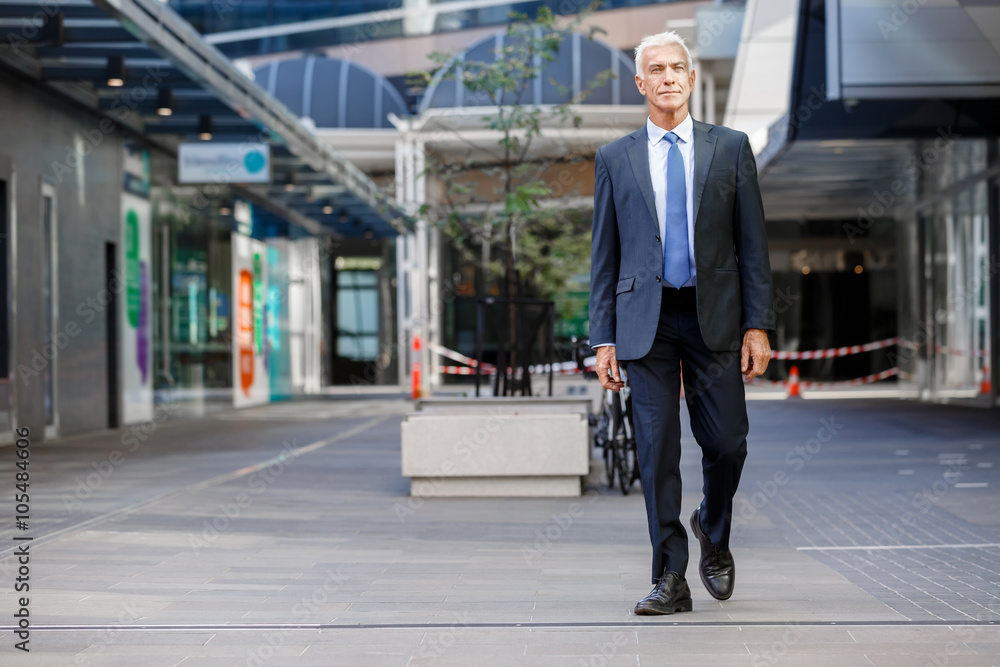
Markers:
357,315
960,294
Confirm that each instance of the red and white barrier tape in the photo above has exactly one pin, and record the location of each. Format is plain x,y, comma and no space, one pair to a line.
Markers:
950,351
561,368
459,370
832,352
956,352
458,356
874,377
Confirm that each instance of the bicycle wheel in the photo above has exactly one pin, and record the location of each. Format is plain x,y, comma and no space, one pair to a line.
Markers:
624,464
628,466
627,458
613,409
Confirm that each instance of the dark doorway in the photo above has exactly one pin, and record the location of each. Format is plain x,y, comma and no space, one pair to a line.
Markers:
111,322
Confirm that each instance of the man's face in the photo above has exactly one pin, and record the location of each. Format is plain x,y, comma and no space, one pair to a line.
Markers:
668,82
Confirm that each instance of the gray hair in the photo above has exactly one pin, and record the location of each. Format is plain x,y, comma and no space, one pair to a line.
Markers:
661,39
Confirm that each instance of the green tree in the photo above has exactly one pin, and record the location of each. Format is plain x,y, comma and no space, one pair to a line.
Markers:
492,195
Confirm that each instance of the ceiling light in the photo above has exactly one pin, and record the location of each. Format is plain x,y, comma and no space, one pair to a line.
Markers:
165,102
115,71
205,128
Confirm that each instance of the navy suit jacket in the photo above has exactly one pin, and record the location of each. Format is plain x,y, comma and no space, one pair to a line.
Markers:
730,247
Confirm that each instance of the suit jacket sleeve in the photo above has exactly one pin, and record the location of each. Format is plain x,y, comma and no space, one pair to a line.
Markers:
750,239
605,257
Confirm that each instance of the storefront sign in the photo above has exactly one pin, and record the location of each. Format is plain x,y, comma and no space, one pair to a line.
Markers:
216,162
135,254
251,377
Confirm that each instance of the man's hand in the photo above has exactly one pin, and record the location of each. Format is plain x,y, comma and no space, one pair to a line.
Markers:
607,368
756,353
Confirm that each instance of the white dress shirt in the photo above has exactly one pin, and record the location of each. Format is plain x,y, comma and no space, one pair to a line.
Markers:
658,173
657,152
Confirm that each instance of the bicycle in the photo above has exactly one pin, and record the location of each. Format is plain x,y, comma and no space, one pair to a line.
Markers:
614,432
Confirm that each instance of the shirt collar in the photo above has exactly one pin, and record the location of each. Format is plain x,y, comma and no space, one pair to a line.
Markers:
683,131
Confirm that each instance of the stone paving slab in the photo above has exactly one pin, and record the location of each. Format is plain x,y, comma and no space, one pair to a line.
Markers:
679,645
206,526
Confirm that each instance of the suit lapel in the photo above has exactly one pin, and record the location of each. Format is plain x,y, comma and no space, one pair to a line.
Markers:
704,151
638,155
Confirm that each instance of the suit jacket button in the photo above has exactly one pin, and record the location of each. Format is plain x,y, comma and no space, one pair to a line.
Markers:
657,238
657,278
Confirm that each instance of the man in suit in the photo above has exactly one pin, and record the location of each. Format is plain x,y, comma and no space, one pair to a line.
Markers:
680,275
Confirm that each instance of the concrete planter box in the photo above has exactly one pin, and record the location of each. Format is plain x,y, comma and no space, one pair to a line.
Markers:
496,446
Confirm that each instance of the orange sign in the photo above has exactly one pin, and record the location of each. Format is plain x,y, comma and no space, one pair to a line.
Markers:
244,337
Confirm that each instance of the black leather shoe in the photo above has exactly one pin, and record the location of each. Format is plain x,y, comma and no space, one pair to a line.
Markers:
717,568
671,594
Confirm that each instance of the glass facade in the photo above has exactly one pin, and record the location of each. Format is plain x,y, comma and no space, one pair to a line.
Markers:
277,325
946,275
213,17
194,294
192,298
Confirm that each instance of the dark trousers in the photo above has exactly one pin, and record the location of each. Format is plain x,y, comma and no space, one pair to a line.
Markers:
713,389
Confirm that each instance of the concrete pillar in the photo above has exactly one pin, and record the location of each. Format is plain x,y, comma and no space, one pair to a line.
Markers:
696,101
708,79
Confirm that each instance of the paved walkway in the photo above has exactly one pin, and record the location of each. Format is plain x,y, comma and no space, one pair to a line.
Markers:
868,533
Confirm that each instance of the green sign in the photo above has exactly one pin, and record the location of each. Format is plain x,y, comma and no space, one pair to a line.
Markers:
258,305
132,278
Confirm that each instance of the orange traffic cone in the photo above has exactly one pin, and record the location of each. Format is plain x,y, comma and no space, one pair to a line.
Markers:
793,381
986,385
415,369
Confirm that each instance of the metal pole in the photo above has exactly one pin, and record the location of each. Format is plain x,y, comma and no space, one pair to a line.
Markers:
479,341
708,73
550,331
402,267
993,236
431,311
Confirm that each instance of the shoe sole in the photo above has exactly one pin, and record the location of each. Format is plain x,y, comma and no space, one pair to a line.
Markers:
687,605
700,535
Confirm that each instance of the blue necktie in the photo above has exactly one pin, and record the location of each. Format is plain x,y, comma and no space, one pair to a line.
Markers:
676,265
